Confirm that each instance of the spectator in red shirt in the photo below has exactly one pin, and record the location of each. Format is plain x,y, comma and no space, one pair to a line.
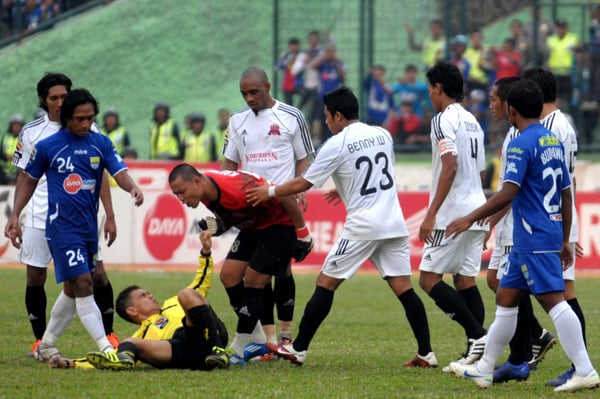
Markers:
507,60
407,127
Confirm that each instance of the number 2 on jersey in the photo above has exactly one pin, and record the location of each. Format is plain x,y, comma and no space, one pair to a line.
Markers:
385,183
554,174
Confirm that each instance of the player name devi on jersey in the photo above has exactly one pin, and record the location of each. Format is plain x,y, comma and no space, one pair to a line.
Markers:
365,143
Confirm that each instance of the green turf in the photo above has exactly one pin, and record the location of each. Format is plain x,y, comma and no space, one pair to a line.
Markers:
357,353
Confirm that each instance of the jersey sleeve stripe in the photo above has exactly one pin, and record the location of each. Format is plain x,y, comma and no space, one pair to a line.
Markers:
437,130
34,123
301,123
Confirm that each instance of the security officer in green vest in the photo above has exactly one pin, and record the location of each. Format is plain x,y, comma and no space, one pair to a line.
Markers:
562,46
164,135
220,132
111,127
9,144
198,145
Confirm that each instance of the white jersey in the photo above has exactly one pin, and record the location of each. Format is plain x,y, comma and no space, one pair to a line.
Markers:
360,161
456,131
504,227
558,124
268,143
33,132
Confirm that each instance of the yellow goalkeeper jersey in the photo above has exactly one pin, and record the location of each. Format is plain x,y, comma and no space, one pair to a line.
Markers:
164,324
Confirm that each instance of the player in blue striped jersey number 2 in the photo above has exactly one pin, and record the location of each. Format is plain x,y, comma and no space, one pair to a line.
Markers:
73,160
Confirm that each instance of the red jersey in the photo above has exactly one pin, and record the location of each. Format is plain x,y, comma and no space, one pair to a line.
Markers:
231,205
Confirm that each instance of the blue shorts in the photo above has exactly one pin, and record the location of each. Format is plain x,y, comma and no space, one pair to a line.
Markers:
537,273
73,257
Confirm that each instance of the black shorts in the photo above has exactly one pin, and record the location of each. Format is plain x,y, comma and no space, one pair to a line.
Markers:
189,349
268,251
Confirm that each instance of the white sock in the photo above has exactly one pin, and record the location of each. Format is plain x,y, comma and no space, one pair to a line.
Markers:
499,335
239,341
570,336
258,335
63,312
91,318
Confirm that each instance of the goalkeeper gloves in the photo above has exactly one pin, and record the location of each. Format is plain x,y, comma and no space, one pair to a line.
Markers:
212,224
303,244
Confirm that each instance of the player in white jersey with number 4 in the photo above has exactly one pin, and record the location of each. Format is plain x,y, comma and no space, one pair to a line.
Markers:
360,160
35,252
458,166
554,120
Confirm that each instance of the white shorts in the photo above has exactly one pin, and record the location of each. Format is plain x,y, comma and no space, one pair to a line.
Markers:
390,256
499,260
459,255
34,248
569,274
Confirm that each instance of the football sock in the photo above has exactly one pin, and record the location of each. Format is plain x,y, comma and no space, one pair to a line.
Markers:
285,296
35,302
104,298
536,329
520,344
250,311
258,334
61,315
90,317
202,319
270,334
473,300
417,318
498,336
453,304
569,333
236,296
130,349
266,316
315,312
577,309
238,343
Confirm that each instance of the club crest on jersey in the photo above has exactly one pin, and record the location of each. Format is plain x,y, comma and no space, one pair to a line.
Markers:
94,162
274,130
72,183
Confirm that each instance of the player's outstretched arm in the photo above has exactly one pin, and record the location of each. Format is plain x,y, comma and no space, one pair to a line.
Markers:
203,278
260,194
496,202
125,181
110,226
12,229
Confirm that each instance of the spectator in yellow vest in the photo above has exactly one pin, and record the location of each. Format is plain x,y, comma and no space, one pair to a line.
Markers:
562,46
112,128
164,135
9,144
478,56
432,48
220,132
198,146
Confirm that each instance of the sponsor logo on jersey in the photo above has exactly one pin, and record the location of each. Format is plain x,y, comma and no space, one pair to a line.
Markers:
274,130
164,227
73,183
94,162
80,152
261,157
161,322
511,167
546,141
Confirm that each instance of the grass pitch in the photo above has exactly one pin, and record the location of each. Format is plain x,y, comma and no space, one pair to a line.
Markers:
357,353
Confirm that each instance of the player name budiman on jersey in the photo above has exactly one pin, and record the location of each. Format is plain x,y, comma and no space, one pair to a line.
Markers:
369,142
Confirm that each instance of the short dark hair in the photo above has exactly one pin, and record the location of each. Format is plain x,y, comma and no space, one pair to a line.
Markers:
342,100
72,100
526,98
449,76
410,67
504,86
294,40
124,301
185,171
49,80
545,79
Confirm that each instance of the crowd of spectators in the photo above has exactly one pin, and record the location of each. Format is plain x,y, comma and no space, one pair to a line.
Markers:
20,17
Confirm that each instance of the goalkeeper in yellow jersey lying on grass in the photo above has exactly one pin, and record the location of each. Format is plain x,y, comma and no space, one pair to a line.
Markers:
183,333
